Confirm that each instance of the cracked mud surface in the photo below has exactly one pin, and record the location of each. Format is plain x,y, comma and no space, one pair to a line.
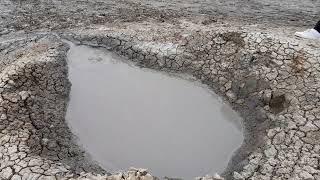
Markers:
270,77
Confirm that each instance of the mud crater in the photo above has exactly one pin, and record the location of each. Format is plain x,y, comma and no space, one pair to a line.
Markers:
256,73
129,116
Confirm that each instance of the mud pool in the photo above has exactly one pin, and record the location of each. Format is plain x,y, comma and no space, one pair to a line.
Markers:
125,116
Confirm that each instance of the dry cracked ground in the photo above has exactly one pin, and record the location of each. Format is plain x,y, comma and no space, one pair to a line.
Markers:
243,50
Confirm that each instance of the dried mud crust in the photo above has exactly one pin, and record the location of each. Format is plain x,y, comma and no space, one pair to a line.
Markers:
35,141
34,138
31,15
270,79
266,75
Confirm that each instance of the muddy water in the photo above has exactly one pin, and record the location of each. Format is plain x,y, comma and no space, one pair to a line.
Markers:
125,116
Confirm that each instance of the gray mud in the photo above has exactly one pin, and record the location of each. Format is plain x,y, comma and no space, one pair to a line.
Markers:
128,116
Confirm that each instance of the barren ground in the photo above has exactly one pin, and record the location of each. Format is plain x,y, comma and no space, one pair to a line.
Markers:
244,50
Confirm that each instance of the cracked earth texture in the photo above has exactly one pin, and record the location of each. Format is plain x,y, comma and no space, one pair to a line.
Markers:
268,76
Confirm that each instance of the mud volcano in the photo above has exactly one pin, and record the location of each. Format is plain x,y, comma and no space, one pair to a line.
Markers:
256,67
130,116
